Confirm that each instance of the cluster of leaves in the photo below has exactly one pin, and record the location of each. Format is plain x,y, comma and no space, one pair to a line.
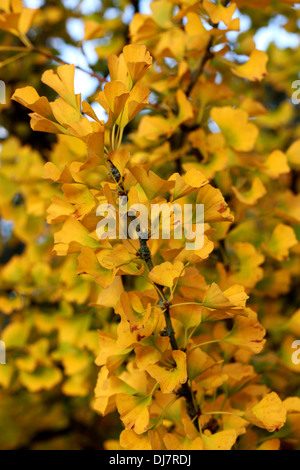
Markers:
181,350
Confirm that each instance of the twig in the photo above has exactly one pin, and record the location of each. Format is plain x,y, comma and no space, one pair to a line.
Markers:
145,254
207,55
50,56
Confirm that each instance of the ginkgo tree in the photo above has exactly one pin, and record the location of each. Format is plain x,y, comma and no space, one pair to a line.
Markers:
190,349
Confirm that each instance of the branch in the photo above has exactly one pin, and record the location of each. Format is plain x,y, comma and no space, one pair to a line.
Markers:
29,48
50,56
185,390
207,55
145,254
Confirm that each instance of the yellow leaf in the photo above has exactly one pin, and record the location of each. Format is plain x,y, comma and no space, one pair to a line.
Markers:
250,197
15,334
255,69
198,362
110,355
292,404
138,60
293,154
238,132
219,13
223,440
188,315
135,312
18,20
165,274
173,442
72,236
269,413
192,180
107,388
248,272
120,159
93,30
63,83
43,378
134,412
88,263
170,379
272,444
30,98
231,300
215,207
247,333
132,441
276,164
151,183
113,99
282,239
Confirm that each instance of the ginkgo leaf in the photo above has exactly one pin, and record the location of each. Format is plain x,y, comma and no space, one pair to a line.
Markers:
153,127
93,29
72,236
218,12
232,300
198,362
134,412
282,239
269,413
137,101
192,180
249,271
188,315
165,274
272,444
15,334
146,355
113,99
138,60
106,390
120,159
223,440
80,197
43,378
30,98
182,362
134,311
247,333
215,207
132,441
128,338
276,164
53,173
255,68
173,442
238,132
293,154
151,183
292,404
63,83
18,20
170,379
110,354
252,195
293,323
